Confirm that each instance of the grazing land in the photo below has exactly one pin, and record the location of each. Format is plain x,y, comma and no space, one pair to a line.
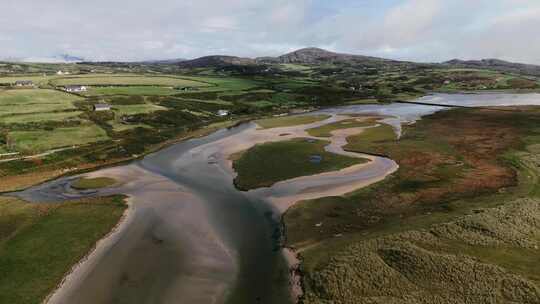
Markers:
444,177
43,140
131,90
127,80
23,101
265,164
39,243
288,121
40,117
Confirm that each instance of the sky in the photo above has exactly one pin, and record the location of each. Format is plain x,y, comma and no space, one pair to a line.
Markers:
129,30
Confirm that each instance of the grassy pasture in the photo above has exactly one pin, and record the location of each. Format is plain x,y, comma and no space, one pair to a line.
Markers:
136,109
288,121
265,164
40,243
120,127
42,140
224,84
131,91
34,101
38,117
37,80
131,80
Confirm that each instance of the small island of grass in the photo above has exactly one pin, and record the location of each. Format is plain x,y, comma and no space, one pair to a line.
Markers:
84,183
265,164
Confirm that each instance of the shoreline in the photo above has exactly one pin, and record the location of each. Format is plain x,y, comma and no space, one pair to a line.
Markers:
100,245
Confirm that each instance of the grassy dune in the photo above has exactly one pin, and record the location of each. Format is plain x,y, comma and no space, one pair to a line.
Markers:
40,243
288,121
453,164
266,164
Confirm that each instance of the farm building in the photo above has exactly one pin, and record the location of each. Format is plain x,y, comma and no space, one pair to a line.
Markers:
222,113
75,88
24,83
102,107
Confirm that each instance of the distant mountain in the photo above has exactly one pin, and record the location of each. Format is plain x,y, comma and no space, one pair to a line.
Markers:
69,58
313,55
61,58
215,61
163,61
496,64
303,56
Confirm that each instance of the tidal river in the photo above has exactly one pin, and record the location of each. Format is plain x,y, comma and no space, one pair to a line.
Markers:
190,237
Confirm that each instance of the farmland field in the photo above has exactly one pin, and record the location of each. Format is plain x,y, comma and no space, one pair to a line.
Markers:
38,117
42,140
38,80
137,109
133,80
131,90
34,101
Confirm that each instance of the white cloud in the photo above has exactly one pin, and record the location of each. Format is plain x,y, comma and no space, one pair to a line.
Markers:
427,30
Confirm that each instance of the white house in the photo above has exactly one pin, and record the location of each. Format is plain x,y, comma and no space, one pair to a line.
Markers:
102,107
75,88
222,113
62,73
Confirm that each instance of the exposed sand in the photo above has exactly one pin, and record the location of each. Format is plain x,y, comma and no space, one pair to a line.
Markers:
166,222
153,234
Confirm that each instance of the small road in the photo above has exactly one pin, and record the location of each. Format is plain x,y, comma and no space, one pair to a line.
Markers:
38,155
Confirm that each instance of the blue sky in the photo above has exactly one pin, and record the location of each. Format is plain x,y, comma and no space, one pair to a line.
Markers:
419,30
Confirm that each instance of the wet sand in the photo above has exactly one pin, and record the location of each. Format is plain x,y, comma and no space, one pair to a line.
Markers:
132,261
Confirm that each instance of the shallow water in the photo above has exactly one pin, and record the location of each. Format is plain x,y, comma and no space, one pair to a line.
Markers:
194,238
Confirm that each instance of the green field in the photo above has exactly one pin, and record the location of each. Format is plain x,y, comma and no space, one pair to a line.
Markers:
265,164
326,130
289,121
40,243
131,90
42,140
137,109
37,80
131,80
34,101
39,117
